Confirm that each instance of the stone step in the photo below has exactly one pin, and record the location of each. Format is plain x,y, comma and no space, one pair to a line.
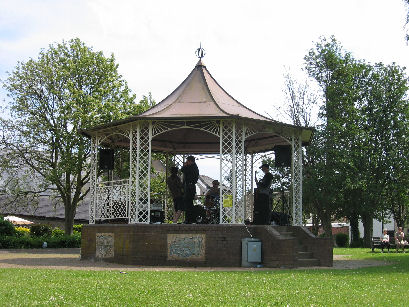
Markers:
287,234
307,262
301,248
281,229
304,255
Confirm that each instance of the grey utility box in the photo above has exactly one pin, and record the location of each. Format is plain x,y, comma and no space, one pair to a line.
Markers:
250,252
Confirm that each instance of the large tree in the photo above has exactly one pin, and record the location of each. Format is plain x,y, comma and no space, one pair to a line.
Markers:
357,167
406,2
335,71
385,120
67,88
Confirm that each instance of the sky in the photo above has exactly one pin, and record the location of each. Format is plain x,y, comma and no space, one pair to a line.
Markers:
249,44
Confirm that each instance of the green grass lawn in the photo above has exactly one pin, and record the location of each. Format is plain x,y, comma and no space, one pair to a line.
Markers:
379,286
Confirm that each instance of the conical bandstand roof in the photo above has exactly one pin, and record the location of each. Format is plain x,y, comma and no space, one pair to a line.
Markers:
199,98
199,95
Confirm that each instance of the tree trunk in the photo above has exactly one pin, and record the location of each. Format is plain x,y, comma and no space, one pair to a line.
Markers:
69,218
367,221
315,224
398,216
326,224
354,224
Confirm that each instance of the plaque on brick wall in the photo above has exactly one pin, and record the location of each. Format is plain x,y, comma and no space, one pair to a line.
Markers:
104,245
186,247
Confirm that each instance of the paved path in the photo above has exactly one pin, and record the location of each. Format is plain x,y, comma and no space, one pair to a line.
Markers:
69,259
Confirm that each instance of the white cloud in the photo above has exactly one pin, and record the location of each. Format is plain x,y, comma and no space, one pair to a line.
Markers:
248,43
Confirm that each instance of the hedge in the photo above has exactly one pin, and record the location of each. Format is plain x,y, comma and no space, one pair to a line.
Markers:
341,239
37,242
6,228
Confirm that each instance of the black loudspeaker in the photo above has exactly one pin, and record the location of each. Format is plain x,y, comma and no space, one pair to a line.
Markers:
282,155
106,159
157,216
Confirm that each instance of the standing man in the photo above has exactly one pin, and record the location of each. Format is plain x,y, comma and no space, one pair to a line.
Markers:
190,177
176,189
262,204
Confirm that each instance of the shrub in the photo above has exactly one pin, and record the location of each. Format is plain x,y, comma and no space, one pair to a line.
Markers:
29,242
37,242
341,239
7,241
6,228
20,242
23,231
40,230
64,241
57,232
77,228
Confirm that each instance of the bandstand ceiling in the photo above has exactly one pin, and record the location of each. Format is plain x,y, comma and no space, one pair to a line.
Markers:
199,101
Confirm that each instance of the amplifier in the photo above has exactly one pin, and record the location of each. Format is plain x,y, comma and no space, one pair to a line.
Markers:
157,216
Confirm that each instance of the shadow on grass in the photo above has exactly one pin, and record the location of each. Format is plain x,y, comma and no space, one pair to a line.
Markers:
42,251
51,258
349,260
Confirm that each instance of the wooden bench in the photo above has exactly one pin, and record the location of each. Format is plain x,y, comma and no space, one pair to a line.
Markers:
377,243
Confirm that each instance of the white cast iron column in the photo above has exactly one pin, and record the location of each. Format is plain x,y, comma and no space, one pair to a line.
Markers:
93,179
140,165
296,176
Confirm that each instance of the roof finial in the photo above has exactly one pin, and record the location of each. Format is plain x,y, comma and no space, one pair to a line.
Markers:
200,52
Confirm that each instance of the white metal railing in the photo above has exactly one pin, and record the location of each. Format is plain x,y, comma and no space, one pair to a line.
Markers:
112,199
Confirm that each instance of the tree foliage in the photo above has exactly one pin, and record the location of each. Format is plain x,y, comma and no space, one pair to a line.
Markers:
333,69
302,101
68,87
385,116
406,2
355,165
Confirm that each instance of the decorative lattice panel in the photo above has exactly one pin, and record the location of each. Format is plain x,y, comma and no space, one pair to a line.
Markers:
140,173
250,131
232,168
248,187
178,160
133,173
249,179
226,173
159,127
208,126
296,173
239,171
93,179
112,199
287,206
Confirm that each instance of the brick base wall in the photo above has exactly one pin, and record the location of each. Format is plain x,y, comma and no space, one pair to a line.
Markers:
190,245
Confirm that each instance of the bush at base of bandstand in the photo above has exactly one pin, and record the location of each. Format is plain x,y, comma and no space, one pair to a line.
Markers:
61,241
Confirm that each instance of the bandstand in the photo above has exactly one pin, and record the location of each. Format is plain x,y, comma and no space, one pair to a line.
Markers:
198,117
